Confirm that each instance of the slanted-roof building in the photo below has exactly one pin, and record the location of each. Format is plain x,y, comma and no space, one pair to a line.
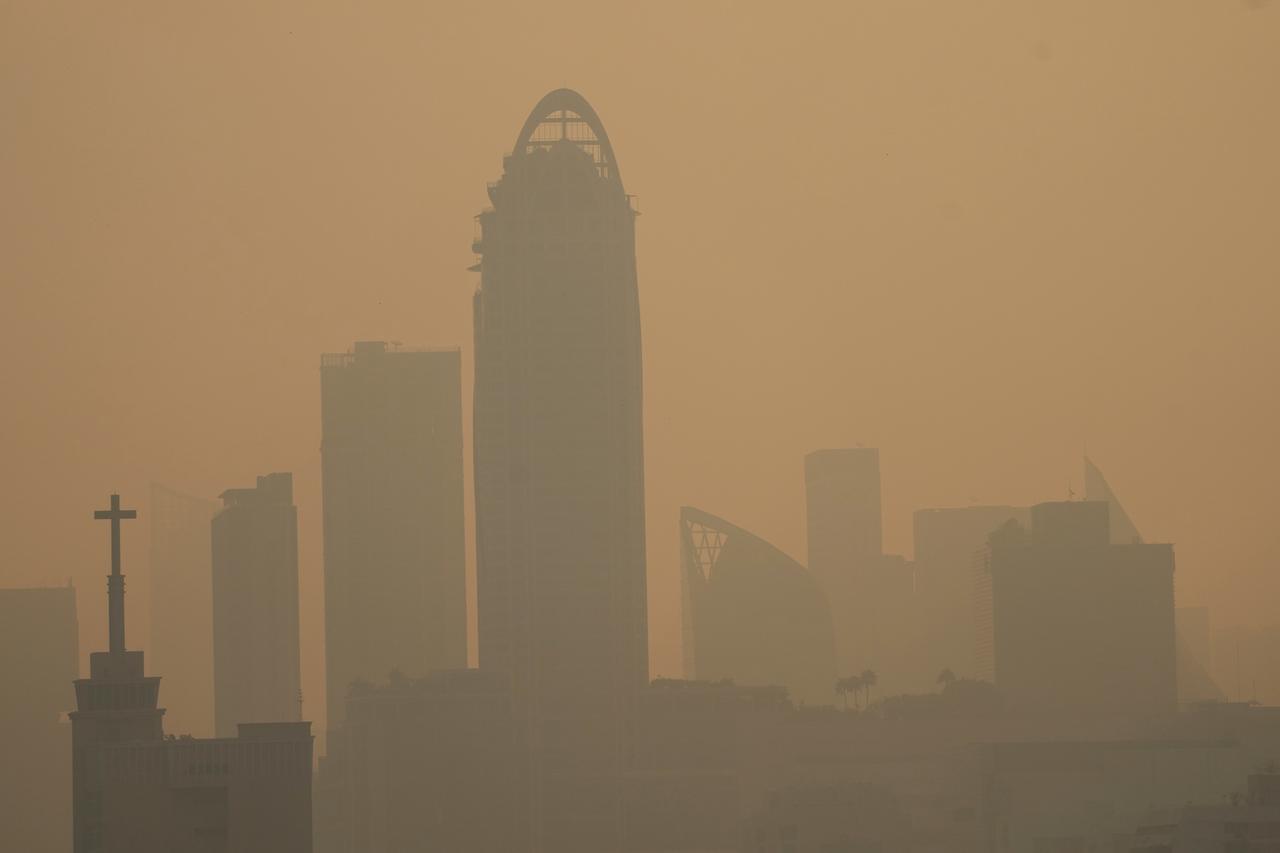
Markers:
1096,488
1195,657
751,613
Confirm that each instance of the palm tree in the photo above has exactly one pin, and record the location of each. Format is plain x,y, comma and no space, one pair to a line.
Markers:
946,678
845,686
866,681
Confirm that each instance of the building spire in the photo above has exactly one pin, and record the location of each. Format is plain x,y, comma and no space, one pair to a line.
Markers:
115,581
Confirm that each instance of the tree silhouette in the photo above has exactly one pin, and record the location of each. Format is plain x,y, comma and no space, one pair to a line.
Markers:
946,678
842,690
849,684
866,681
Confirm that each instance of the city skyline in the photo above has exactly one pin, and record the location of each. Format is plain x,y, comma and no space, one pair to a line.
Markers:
749,321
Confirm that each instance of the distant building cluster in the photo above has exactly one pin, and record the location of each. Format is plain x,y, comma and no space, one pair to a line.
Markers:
1024,682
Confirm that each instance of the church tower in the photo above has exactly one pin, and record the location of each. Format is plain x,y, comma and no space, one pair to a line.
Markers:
136,790
116,704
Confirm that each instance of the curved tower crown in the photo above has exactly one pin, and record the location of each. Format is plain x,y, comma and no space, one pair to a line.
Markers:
566,115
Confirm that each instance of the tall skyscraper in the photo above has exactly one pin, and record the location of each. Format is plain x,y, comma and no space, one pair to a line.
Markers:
136,791
39,658
560,466
255,606
182,606
394,541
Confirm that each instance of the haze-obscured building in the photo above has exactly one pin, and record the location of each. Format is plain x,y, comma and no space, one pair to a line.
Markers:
725,767
426,764
1246,662
752,614
819,817
39,658
182,606
945,542
394,542
255,606
1065,794
1078,624
1248,821
559,466
1195,656
842,510
871,594
707,753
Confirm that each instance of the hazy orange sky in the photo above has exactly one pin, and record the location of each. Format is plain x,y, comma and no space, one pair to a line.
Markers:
980,236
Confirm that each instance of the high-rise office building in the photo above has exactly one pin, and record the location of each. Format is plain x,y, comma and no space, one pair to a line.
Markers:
870,593
842,510
751,613
1080,625
560,466
39,658
134,790
394,542
255,606
182,607
945,542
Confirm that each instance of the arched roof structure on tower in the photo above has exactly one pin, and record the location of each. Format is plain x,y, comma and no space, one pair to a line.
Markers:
565,115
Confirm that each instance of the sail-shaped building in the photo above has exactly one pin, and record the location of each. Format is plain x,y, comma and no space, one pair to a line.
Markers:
1096,488
752,614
